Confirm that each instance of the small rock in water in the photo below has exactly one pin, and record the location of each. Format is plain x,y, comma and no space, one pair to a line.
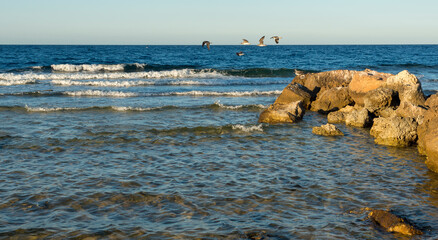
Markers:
392,223
327,130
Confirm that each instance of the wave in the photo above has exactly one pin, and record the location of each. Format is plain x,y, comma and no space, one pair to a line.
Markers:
16,82
120,94
98,93
215,106
182,73
210,130
98,67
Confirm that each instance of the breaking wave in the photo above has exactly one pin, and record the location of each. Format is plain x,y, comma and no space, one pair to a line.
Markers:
98,93
16,82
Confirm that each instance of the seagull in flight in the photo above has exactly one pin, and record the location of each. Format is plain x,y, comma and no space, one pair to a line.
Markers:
245,42
206,43
240,53
261,43
276,38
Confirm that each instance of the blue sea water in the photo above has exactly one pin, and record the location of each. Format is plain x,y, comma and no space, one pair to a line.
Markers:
162,142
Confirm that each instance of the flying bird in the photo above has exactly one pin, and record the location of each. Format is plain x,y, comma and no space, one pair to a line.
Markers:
245,42
261,44
276,38
206,43
240,53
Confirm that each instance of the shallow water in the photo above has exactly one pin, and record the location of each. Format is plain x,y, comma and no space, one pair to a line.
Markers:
127,152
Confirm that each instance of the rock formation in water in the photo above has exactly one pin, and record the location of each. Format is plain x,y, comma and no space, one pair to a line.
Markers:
392,223
327,130
394,106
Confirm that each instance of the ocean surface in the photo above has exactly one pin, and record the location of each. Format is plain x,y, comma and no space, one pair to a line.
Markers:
162,142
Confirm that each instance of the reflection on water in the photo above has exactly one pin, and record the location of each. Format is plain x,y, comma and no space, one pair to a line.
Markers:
271,181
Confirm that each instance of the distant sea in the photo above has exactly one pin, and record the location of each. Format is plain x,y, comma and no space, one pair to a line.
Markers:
162,142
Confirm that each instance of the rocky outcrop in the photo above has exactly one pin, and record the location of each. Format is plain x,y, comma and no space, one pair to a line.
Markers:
295,92
283,113
331,100
408,87
358,118
394,131
339,116
432,100
409,110
396,102
379,99
392,223
428,138
327,130
320,82
364,81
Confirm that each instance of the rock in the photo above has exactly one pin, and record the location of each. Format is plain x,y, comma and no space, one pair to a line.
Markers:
295,92
365,81
394,131
408,87
428,138
392,223
432,100
407,109
331,100
358,118
283,113
327,130
323,81
339,116
379,99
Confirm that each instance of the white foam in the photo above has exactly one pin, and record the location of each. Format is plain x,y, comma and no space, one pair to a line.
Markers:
253,128
181,73
98,93
42,109
237,106
231,94
102,83
125,109
92,67
16,82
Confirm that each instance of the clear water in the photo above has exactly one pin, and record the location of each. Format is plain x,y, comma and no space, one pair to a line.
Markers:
162,142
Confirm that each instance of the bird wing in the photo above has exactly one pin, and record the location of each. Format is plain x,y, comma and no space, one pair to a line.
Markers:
261,40
277,40
245,41
206,43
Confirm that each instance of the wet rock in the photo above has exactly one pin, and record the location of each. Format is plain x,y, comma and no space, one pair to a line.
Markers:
408,87
327,130
407,109
295,92
432,100
364,81
379,99
428,138
392,223
331,100
358,118
283,113
339,116
323,81
394,131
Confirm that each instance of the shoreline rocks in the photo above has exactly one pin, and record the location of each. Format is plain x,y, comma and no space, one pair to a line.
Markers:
393,223
394,106
327,130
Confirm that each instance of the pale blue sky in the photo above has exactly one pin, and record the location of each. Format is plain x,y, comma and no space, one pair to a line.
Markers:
221,22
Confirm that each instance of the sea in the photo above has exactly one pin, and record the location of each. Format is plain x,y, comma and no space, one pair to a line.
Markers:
163,142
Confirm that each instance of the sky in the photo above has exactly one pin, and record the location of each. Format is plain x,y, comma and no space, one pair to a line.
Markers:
224,22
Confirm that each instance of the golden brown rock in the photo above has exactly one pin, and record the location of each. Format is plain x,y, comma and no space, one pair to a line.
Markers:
428,138
283,113
394,131
392,223
331,100
295,92
408,87
365,81
432,100
327,130
323,81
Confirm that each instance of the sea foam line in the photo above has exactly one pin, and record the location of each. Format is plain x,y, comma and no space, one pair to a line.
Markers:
95,67
231,94
253,128
16,82
182,73
98,93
